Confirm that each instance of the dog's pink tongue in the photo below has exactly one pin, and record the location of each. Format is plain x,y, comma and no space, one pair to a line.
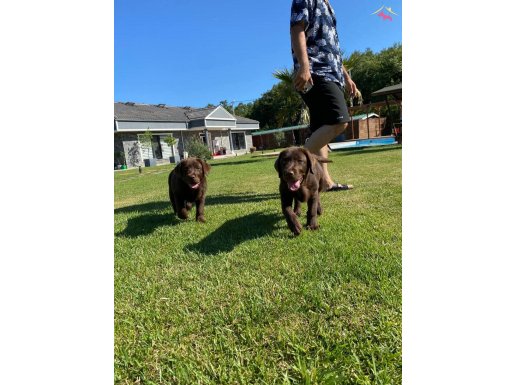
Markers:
294,186
195,186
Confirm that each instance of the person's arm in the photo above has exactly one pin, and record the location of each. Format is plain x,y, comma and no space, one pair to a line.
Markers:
349,84
298,42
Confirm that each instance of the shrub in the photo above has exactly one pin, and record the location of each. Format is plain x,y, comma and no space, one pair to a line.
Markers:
280,139
119,157
195,147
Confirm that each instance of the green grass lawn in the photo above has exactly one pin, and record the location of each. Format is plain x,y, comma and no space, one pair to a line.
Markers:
239,300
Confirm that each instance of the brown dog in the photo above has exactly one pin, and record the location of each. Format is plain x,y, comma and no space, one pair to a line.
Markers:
301,180
187,183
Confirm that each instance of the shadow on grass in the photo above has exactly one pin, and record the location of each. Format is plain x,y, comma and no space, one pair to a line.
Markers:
240,198
145,207
210,201
146,224
236,231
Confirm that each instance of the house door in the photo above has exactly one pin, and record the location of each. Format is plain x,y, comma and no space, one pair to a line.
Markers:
156,147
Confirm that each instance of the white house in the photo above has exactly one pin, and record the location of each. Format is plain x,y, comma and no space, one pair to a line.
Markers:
214,126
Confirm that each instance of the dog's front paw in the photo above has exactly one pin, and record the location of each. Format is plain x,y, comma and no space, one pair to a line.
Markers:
183,214
295,227
201,218
313,226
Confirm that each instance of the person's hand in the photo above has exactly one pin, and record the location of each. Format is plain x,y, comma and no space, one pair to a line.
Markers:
351,88
302,78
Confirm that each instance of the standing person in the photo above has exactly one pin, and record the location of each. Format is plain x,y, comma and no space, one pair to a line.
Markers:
320,76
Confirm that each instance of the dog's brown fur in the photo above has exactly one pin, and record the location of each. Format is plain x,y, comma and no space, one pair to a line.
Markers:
187,183
298,164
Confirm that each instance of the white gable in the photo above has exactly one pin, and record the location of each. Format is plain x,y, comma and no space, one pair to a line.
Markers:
220,113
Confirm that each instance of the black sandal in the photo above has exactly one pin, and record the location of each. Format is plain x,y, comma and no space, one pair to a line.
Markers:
339,187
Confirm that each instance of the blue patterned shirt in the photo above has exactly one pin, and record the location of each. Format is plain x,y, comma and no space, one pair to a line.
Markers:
322,43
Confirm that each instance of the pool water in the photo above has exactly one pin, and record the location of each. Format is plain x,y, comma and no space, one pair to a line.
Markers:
363,143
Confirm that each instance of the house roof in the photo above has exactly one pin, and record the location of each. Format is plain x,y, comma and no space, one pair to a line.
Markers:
241,119
137,112
199,113
148,112
390,90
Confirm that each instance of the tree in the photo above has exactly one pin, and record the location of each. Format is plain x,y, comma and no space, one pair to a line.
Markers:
373,71
119,157
293,109
170,140
281,106
264,110
243,109
225,104
146,140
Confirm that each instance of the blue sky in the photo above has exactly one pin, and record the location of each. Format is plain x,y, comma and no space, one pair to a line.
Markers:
195,52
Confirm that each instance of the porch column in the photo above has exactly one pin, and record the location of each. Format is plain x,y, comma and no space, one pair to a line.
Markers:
182,143
208,140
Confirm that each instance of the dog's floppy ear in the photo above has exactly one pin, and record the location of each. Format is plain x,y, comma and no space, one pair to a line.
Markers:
205,166
310,159
277,165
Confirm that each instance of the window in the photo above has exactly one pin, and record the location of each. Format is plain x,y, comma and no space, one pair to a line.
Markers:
238,141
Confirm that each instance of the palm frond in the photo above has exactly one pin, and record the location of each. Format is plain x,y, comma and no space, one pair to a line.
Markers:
284,75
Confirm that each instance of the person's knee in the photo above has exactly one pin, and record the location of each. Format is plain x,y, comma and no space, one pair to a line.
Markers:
324,135
338,128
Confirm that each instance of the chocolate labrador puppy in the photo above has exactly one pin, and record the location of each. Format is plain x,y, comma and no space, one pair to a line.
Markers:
301,180
187,183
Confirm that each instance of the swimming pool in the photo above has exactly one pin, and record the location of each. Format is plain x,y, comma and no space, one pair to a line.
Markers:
385,140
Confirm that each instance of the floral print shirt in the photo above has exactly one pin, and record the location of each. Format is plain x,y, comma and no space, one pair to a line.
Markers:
322,43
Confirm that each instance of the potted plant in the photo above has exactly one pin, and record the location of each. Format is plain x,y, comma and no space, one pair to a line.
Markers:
146,140
171,141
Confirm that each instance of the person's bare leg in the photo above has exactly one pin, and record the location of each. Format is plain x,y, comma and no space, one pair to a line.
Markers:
317,144
324,152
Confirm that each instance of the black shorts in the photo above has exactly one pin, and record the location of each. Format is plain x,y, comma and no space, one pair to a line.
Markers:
326,103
